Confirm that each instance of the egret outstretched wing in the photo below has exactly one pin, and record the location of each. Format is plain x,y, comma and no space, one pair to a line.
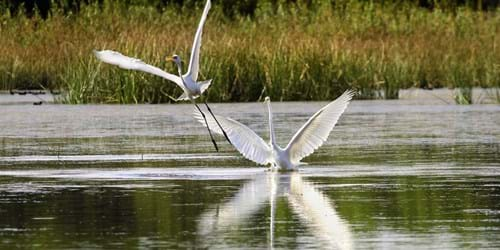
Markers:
194,61
125,62
316,130
249,144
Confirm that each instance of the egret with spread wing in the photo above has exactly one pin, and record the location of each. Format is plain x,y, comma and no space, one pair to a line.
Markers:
309,137
187,82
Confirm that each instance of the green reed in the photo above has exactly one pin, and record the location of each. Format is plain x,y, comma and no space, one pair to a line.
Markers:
292,53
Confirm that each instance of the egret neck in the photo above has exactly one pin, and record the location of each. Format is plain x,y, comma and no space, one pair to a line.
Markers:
179,70
271,127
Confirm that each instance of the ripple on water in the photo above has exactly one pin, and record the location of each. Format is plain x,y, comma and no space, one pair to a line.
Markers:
392,175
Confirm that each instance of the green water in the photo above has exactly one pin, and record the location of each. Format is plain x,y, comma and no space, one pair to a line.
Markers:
392,175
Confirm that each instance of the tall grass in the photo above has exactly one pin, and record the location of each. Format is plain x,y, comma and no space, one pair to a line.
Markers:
292,53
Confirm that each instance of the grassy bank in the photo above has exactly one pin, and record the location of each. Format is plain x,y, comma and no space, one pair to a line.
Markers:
294,53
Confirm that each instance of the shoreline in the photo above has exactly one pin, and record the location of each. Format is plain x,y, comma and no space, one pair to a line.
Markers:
415,95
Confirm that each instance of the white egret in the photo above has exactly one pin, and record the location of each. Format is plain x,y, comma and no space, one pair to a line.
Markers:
309,137
187,82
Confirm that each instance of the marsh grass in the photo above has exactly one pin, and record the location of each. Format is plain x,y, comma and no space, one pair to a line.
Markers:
463,96
289,53
493,94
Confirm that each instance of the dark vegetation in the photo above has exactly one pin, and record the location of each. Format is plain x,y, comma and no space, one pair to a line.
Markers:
290,50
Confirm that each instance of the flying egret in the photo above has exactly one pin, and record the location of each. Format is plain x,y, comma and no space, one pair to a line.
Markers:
187,82
309,137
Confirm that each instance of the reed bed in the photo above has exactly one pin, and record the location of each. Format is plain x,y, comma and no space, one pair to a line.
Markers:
292,53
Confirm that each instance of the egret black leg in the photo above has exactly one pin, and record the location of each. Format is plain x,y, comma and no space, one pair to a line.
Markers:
206,123
223,132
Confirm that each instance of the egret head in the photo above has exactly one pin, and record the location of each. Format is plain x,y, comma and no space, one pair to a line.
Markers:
176,59
267,99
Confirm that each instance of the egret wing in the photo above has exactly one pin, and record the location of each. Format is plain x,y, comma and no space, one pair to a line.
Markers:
204,85
125,62
249,144
316,130
194,61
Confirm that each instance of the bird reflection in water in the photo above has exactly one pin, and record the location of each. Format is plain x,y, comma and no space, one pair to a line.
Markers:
313,209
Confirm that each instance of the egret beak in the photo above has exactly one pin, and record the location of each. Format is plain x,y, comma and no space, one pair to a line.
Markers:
169,59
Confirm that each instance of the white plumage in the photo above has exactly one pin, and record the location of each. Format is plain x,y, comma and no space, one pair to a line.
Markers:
242,137
317,129
309,137
189,84
194,61
125,62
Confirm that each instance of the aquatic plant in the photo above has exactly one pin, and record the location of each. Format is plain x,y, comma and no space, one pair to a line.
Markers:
463,95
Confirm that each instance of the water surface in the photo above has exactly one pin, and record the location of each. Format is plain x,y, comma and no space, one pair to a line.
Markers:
393,174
